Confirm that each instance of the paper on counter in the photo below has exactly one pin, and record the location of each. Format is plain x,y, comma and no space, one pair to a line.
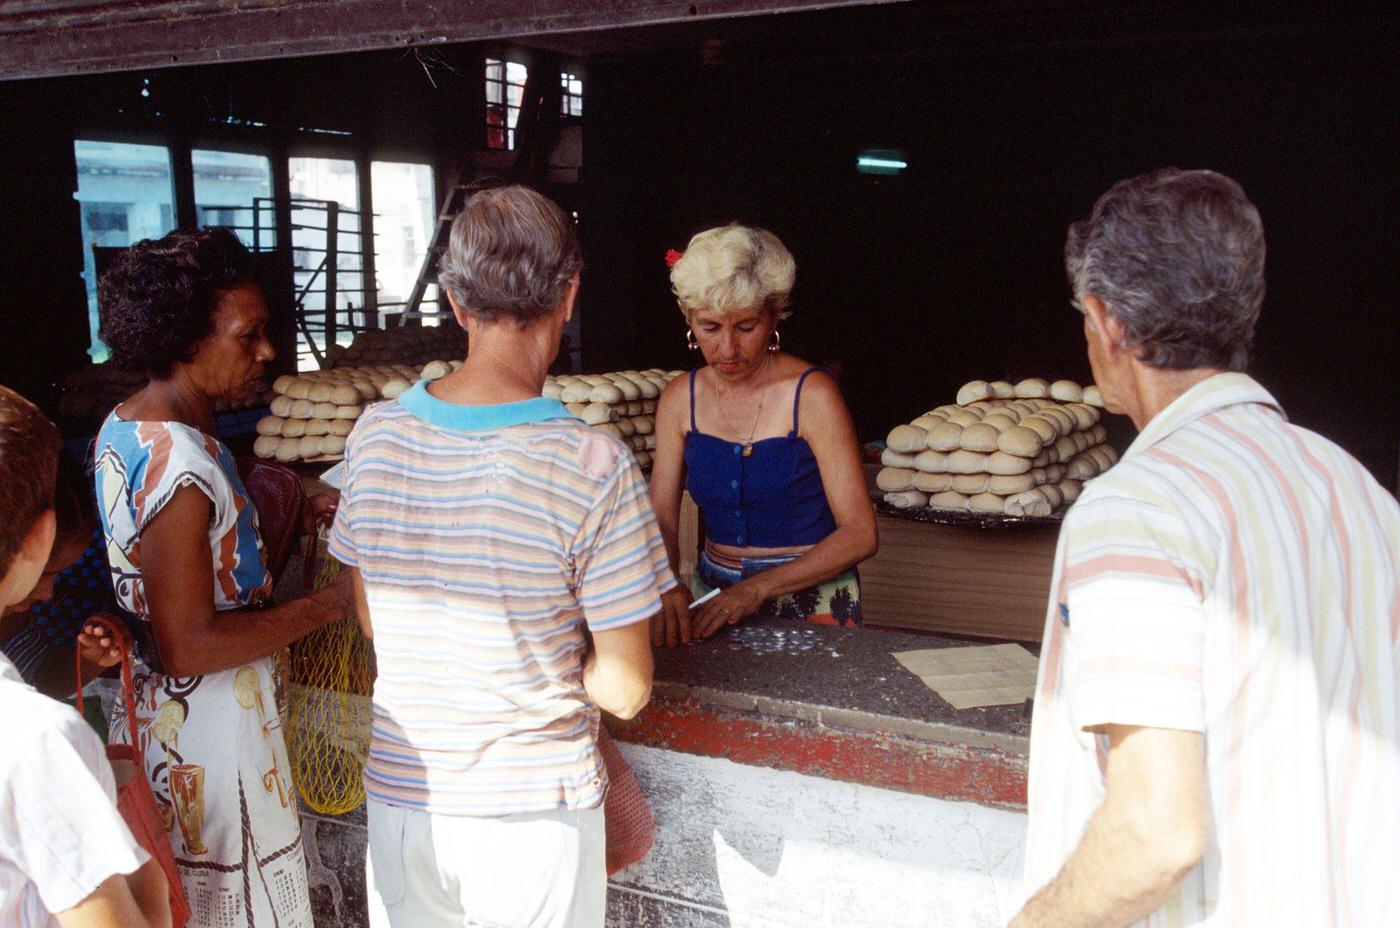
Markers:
989,675
334,477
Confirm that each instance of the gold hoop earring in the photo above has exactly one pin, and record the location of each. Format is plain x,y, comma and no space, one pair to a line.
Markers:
777,342
690,341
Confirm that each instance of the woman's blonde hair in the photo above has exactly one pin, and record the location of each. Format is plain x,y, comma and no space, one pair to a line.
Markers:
733,269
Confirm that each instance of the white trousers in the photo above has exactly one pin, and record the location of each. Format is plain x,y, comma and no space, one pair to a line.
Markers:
532,870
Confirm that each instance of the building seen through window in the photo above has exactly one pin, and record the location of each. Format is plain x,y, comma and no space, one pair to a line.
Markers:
570,95
505,89
234,190
125,195
404,221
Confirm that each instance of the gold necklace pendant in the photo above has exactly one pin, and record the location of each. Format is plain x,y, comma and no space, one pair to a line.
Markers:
748,449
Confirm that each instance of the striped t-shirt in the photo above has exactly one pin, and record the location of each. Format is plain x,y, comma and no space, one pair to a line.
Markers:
1234,575
489,538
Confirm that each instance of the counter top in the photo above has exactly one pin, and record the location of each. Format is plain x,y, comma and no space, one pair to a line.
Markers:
833,702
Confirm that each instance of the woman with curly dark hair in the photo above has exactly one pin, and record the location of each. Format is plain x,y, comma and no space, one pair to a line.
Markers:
187,559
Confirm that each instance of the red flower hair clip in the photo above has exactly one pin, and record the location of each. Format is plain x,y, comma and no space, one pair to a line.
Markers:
672,256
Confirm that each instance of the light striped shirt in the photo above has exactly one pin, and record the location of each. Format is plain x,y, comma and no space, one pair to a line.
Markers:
488,538
1234,575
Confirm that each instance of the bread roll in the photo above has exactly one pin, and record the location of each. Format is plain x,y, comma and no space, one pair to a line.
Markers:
945,437
1066,448
927,421
979,437
948,499
1081,440
281,384
894,459
1029,503
1046,429
973,391
999,462
1070,489
1052,495
971,484
906,439
597,413
1061,417
266,446
318,427
608,428
1053,473
348,412
1092,396
1041,459
1066,391
333,445
1002,421
293,428
625,426
606,393
1084,414
1020,441
342,427
394,388
281,406
648,407
288,449
1010,484
299,388
1083,467
551,391
649,390
629,390
576,391
895,479
644,425
931,462
435,370
967,462
269,425
908,499
301,409
932,483
319,391
643,458
576,409
650,442
986,502
310,447
1098,434
636,442
1032,388
1002,389
344,395
964,417
322,411
366,389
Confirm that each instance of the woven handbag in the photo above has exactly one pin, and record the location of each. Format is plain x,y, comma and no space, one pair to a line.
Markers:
135,801
630,827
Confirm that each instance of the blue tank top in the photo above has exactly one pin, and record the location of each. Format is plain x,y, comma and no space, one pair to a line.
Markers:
773,498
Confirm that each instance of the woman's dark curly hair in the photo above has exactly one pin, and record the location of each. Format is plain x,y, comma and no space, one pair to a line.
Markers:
156,302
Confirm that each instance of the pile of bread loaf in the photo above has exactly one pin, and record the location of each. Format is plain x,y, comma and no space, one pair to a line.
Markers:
409,344
1019,450
621,403
312,412
94,389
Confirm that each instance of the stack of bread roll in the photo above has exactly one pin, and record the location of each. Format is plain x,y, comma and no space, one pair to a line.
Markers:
621,403
312,412
1018,450
409,344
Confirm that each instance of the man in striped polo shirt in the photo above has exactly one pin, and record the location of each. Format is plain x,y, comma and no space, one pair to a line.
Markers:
508,564
1216,737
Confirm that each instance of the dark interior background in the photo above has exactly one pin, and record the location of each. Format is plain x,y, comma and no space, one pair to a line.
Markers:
916,284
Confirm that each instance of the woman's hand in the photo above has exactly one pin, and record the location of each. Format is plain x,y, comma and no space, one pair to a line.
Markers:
671,626
738,602
97,643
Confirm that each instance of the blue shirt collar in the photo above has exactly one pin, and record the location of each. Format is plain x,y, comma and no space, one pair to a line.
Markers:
418,401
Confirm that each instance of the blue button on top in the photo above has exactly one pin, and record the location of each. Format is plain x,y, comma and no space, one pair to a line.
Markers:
734,484
738,449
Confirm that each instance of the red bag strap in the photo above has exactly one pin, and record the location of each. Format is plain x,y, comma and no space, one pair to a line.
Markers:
118,633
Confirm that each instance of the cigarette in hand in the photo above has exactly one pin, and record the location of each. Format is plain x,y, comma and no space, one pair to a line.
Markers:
706,598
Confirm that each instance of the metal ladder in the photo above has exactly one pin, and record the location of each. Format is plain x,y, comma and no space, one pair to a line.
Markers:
457,195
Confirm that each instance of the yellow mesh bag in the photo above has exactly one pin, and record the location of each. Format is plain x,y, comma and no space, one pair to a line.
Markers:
328,712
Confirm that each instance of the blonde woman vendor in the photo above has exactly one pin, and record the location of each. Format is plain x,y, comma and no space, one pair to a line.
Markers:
766,447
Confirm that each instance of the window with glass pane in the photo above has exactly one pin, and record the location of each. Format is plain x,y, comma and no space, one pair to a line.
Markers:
233,189
505,89
570,95
404,222
327,251
125,195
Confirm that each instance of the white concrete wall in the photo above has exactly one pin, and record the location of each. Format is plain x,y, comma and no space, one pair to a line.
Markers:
751,847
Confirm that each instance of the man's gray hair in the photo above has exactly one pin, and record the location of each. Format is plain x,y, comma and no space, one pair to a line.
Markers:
1177,257
511,255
